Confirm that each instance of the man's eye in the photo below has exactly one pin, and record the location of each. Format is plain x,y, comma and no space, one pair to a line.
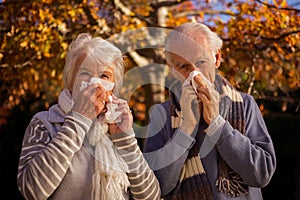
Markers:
201,62
84,73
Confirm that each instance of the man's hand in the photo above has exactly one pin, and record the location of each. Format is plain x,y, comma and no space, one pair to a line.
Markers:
190,109
210,99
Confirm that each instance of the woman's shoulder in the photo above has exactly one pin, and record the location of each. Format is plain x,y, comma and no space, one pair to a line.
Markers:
37,131
48,119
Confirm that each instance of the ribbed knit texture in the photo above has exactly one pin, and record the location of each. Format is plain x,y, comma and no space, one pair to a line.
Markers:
193,183
110,178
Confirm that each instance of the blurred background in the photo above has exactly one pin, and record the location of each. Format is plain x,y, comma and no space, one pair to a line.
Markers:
261,56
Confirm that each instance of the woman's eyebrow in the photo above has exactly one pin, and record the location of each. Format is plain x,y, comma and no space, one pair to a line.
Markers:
84,68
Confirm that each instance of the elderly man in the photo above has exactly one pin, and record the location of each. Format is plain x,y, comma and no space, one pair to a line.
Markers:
209,141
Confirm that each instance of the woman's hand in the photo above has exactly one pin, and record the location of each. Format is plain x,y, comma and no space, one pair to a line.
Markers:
91,101
210,99
125,118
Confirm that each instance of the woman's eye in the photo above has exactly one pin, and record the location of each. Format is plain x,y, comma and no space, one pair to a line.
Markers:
181,66
105,76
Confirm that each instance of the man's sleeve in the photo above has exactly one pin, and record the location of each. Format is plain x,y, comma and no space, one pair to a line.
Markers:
165,151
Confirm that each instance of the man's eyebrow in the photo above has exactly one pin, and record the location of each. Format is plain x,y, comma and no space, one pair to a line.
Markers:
201,59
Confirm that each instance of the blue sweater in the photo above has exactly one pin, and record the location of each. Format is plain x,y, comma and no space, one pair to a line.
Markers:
251,155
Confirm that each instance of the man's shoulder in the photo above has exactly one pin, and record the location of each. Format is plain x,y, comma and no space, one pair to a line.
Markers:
163,107
247,98
249,102
166,105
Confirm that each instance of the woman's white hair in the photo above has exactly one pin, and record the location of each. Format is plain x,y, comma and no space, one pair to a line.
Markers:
193,30
85,48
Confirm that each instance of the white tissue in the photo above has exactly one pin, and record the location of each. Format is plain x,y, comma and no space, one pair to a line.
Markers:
106,84
111,115
194,84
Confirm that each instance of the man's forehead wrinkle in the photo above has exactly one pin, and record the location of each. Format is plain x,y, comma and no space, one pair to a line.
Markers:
188,54
192,38
189,46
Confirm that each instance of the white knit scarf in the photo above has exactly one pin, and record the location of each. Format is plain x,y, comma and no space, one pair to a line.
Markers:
109,180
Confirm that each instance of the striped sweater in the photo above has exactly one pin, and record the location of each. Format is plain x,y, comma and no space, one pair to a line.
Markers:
61,165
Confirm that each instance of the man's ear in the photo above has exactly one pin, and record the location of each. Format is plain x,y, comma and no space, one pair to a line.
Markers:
218,59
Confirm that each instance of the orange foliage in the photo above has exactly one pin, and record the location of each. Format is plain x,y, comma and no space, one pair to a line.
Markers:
261,42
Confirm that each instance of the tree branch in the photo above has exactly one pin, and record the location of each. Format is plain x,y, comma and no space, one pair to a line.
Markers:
138,59
209,12
267,38
279,98
276,7
279,37
160,4
28,62
125,10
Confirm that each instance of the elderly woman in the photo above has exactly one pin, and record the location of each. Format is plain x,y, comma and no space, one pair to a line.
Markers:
84,147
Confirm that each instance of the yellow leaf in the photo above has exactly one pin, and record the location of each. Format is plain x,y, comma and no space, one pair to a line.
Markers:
42,15
53,72
24,44
47,55
64,45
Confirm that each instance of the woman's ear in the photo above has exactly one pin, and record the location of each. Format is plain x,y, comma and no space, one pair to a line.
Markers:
218,59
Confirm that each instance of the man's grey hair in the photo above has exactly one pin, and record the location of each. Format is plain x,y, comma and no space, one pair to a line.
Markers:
194,29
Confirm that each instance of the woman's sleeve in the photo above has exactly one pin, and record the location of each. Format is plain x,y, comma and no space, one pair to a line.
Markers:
44,160
143,183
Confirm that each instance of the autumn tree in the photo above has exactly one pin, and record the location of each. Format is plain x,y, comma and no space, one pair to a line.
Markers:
261,54
261,48
261,51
